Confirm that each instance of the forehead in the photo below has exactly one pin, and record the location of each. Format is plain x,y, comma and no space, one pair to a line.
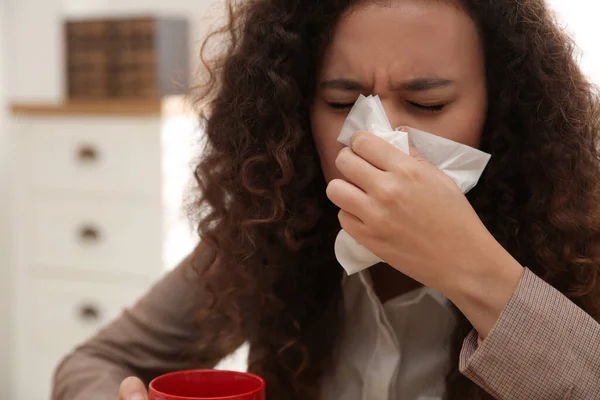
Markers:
405,38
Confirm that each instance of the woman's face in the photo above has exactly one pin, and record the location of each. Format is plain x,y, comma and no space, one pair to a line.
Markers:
423,58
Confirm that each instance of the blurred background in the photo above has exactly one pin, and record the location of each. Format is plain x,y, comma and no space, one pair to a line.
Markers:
96,143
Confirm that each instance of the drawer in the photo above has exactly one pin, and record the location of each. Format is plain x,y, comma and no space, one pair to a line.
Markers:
95,236
61,315
106,155
38,369
66,312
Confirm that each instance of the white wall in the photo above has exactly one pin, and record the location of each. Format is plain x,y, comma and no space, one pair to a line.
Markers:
580,19
4,240
34,72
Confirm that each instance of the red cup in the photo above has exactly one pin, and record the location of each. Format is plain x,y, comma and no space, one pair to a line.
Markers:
207,384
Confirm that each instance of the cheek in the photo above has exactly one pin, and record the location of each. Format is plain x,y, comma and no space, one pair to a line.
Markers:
464,129
325,130
464,124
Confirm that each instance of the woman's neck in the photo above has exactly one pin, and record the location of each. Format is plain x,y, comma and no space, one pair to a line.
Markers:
389,283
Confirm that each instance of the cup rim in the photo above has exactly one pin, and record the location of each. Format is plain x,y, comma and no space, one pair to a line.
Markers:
260,380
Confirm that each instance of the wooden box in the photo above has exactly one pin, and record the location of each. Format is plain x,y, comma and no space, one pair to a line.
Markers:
136,58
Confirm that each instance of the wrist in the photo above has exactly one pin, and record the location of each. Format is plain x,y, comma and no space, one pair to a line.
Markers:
485,287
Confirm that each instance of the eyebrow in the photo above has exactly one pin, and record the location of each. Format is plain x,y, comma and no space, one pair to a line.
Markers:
413,85
424,84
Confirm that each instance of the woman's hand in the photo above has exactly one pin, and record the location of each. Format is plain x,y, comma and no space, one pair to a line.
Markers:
413,216
133,389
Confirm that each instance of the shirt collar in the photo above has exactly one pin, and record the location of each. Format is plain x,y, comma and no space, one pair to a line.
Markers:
406,299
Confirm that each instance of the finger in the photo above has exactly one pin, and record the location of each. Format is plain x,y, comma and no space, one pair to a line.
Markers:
356,170
351,224
414,153
133,388
411,146
348,197
378,152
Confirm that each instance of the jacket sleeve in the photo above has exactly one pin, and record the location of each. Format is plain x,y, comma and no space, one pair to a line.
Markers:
147,340
543,346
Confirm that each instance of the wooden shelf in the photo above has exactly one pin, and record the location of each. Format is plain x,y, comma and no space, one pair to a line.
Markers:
152,107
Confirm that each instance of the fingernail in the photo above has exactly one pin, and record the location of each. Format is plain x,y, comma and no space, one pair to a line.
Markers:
137,396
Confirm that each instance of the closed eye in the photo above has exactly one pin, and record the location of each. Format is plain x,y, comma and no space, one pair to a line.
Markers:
434,108
341,106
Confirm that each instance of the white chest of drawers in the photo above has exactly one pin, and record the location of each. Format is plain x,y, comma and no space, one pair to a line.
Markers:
96,218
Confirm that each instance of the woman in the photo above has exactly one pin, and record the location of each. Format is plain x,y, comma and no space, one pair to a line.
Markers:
518,261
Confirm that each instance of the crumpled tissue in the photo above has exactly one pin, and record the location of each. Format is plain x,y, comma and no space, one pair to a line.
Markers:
462,163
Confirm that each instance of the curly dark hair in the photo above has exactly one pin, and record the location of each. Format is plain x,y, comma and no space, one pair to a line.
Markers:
261,206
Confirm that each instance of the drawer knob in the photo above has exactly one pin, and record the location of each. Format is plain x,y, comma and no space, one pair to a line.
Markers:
89,312
88,154
89,234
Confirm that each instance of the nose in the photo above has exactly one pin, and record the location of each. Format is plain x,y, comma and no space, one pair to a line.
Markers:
396,114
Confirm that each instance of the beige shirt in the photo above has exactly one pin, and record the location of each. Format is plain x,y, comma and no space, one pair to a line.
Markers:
395,351
542,347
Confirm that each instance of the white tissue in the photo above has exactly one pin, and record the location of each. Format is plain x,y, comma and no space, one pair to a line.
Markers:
462,163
